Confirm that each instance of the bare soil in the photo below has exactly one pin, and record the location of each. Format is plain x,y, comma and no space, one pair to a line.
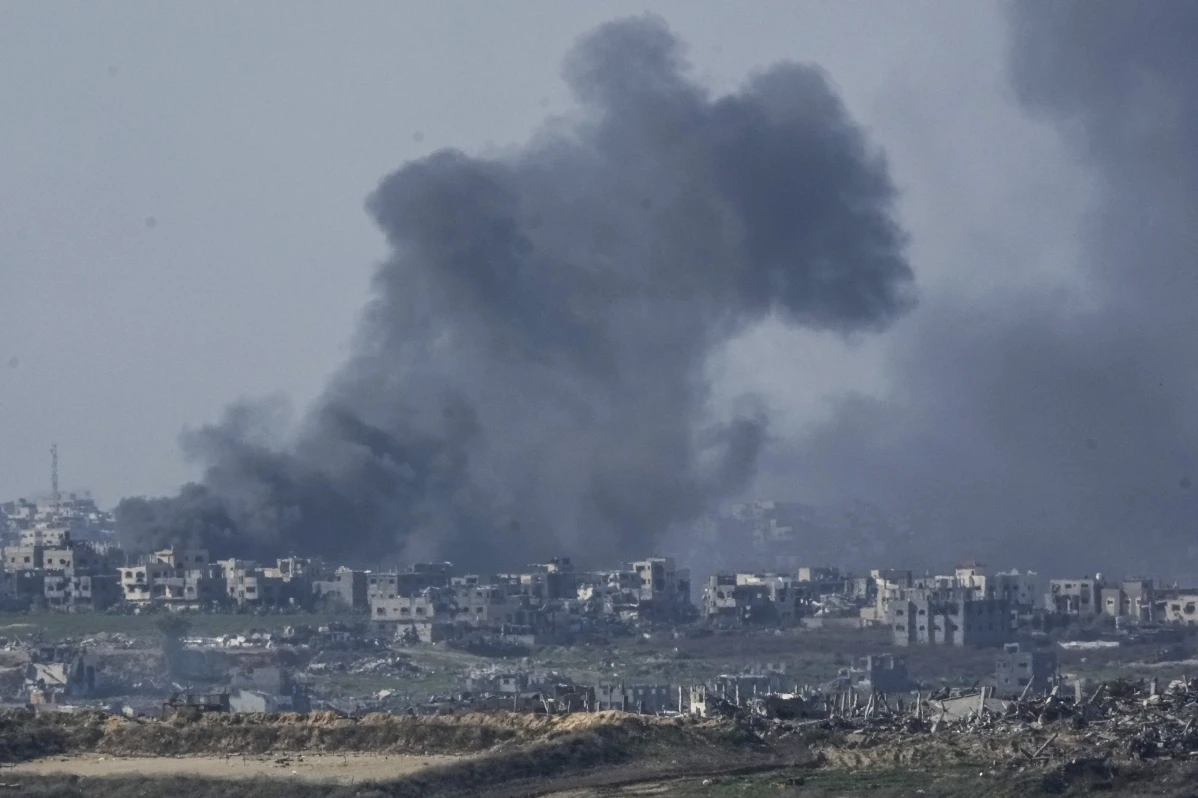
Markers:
335,768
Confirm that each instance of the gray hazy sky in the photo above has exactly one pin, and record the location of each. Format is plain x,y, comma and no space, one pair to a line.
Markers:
182,187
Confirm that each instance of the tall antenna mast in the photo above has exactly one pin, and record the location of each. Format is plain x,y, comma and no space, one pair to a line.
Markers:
54,470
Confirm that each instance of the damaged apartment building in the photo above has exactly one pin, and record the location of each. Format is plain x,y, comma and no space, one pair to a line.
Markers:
188,578
958,610
745,598
427,602
47,568
1132,601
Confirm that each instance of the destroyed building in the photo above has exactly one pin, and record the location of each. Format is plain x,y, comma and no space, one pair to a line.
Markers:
266,689
889,584
884,673
553,580
737,687
665,590
752,599
427,616
822,581
1076,598
648,699
183,577
1131,599
196,702
1182,608
345,588
1020,672
408,581
56,674
611,593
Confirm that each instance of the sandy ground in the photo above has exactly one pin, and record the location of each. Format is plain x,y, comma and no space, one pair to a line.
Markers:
346,769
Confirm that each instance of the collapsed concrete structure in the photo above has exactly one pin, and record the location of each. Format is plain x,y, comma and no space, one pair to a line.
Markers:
745,598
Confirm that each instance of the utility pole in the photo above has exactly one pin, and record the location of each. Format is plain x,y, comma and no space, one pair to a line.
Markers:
54,471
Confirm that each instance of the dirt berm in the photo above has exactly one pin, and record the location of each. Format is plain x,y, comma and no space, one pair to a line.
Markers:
499,751
26,735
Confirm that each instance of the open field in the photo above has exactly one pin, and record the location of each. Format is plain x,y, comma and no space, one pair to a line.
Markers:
53,626
349,768
1166,781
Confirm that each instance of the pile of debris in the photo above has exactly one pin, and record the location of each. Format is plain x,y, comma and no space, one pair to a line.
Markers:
389,664
1118,720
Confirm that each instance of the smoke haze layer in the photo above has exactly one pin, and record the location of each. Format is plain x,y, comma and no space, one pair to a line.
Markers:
1057,428
529,375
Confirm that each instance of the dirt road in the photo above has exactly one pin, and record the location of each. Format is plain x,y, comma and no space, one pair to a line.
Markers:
345,769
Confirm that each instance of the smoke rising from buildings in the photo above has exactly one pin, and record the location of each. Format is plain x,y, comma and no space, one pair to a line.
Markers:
529,375
1059,428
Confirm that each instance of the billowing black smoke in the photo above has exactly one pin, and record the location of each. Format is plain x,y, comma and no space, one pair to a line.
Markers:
1047,428
529,374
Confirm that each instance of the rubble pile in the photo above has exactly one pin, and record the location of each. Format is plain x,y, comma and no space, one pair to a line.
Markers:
1116,721
388,664
393,664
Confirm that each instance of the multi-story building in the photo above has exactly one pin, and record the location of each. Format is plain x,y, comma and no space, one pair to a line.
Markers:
1019,672
345,587
553,580
972,576
610,593
142,583
1021,589
77,513
1133,599
427,616
489,606
664,590
1077,598
752,598
822,580
298,568
58,571
889,584
409,581
246,582
1181,608
950,616
643,698
22,558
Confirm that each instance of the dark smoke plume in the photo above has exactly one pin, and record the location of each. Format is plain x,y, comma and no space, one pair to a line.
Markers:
1061,430
529,374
